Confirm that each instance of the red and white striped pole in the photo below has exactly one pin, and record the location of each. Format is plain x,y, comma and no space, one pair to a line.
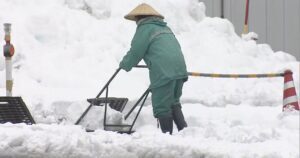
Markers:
8,52
290,100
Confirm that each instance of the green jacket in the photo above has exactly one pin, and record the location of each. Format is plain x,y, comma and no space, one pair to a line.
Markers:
155,43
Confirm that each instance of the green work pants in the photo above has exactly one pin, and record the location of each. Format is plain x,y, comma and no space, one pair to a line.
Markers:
165,97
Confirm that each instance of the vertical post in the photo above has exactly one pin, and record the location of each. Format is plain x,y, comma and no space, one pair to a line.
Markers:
222,9
246,27
290,100
8,52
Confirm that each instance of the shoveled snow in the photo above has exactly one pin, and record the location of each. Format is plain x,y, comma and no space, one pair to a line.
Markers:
67,50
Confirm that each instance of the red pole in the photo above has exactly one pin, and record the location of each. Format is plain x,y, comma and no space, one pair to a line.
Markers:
246,28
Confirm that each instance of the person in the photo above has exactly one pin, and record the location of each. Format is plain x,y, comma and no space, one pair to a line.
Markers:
156,44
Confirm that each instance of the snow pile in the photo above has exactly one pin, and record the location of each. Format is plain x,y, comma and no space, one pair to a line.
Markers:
250,36
67,50
208,136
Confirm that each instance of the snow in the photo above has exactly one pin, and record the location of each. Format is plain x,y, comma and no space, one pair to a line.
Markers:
67,50
250,36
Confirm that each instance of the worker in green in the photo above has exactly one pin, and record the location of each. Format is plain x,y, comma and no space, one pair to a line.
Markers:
156,44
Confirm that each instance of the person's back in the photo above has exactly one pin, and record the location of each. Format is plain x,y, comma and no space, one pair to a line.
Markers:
163,56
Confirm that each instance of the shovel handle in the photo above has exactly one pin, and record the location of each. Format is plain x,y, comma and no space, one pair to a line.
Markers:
141,66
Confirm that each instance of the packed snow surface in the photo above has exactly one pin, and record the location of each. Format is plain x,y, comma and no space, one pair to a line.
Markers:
66,50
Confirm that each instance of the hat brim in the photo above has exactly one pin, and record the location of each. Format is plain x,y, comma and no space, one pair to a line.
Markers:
134,17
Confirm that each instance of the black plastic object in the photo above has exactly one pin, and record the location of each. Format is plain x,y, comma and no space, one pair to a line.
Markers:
14,110
114,103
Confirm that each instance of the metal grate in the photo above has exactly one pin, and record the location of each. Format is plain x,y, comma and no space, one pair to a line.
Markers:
14,110
115,103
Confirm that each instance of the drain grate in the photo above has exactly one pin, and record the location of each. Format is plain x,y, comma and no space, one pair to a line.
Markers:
14,110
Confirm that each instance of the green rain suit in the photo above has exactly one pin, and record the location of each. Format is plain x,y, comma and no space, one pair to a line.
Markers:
155,43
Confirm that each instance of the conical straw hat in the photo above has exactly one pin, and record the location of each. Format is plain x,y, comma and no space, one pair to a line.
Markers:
142,9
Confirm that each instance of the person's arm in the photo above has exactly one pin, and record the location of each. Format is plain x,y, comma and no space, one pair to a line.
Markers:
139,46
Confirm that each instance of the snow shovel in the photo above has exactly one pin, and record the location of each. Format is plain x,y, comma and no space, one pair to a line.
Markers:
116,104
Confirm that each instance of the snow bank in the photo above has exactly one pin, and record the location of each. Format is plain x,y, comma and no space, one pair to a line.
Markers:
217,133
67,49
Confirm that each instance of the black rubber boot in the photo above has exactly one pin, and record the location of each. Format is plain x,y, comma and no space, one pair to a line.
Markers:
178,117
166,124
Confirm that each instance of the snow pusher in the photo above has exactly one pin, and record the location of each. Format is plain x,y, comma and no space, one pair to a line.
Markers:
117,104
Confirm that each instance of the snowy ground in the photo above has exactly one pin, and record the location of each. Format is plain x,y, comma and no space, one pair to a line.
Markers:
67,49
